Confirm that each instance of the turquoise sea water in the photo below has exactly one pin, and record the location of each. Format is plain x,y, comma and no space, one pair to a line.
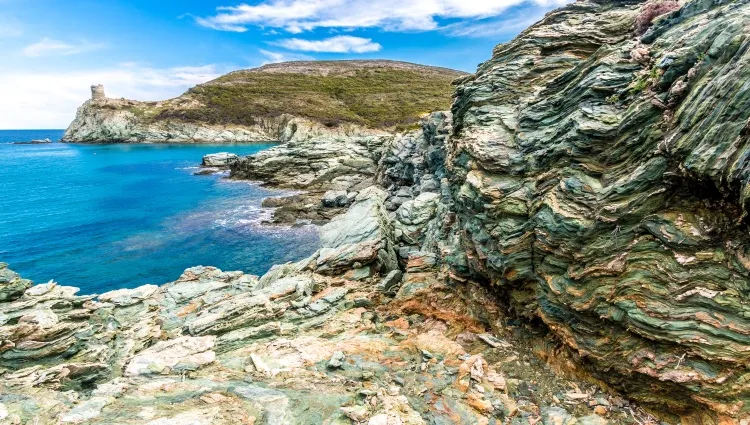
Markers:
103,217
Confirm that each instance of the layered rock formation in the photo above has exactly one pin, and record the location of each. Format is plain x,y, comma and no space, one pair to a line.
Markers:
602,186
595,178
315,342
276,103
588,184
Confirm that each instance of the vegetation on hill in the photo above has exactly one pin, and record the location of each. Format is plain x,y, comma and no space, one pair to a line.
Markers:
379,96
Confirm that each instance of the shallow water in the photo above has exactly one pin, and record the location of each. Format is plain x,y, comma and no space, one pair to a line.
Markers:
103,217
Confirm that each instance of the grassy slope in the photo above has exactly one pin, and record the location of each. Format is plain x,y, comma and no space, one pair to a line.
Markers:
378,96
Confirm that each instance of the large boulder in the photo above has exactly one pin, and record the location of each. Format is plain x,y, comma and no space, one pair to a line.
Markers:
362,236
221,159
173,356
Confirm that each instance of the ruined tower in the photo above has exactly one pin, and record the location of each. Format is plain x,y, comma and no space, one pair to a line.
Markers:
97,92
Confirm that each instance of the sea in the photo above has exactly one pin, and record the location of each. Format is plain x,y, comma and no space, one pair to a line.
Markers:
103,217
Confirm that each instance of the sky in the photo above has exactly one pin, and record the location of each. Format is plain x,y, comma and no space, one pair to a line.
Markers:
52,51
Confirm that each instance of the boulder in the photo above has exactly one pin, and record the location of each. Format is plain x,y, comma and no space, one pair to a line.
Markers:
364,235
126,297
221,159
389,284
11,284
336,199
173,356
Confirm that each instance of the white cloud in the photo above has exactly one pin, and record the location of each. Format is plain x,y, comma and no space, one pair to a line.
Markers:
338,44
49,99
276,57
512,24
48,47
296,16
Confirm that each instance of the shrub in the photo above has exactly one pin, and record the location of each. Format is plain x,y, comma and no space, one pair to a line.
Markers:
652,10
379,98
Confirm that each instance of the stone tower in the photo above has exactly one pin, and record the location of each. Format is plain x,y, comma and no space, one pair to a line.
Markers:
97,92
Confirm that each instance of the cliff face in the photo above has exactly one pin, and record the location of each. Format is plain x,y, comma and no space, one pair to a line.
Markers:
597,178
601,181
280,102
126,121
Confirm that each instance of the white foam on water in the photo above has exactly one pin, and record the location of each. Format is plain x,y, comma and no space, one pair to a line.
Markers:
243,216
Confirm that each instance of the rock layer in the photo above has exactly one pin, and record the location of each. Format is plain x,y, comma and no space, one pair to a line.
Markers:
601,185
596,178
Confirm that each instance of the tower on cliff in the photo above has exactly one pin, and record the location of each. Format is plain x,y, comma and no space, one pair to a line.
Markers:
97,92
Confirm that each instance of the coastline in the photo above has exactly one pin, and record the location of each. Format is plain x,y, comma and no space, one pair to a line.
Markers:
569,229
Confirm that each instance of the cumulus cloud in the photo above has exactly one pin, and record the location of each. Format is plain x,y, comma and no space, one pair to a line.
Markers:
49,99
296,16
48,47
338,44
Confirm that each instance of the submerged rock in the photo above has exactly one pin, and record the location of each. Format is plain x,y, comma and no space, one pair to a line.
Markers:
34,142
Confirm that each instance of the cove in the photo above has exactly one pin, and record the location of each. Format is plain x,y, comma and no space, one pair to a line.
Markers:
103,217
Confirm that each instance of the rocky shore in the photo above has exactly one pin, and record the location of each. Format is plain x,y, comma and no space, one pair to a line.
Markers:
342,337
567,244
590,187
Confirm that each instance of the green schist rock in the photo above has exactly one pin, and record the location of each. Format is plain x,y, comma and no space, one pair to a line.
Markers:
601,180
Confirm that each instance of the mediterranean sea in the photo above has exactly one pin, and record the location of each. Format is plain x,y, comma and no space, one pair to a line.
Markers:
103,217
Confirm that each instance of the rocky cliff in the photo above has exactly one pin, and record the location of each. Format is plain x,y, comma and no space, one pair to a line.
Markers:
594,173
602,185
579,215
279,102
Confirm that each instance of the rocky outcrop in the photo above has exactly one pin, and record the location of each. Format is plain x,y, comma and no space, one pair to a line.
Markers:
340,165
303,344
34,142
600,185
127,121
594,177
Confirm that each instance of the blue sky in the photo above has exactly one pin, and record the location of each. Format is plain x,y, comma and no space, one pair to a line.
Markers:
51,51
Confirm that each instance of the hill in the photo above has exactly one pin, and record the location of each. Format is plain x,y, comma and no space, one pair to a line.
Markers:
259,104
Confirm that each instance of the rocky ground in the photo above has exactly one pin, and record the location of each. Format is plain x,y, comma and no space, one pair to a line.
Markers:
343,337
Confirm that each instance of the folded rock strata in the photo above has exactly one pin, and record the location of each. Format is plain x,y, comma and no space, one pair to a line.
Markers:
307,343
596,178
601,185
